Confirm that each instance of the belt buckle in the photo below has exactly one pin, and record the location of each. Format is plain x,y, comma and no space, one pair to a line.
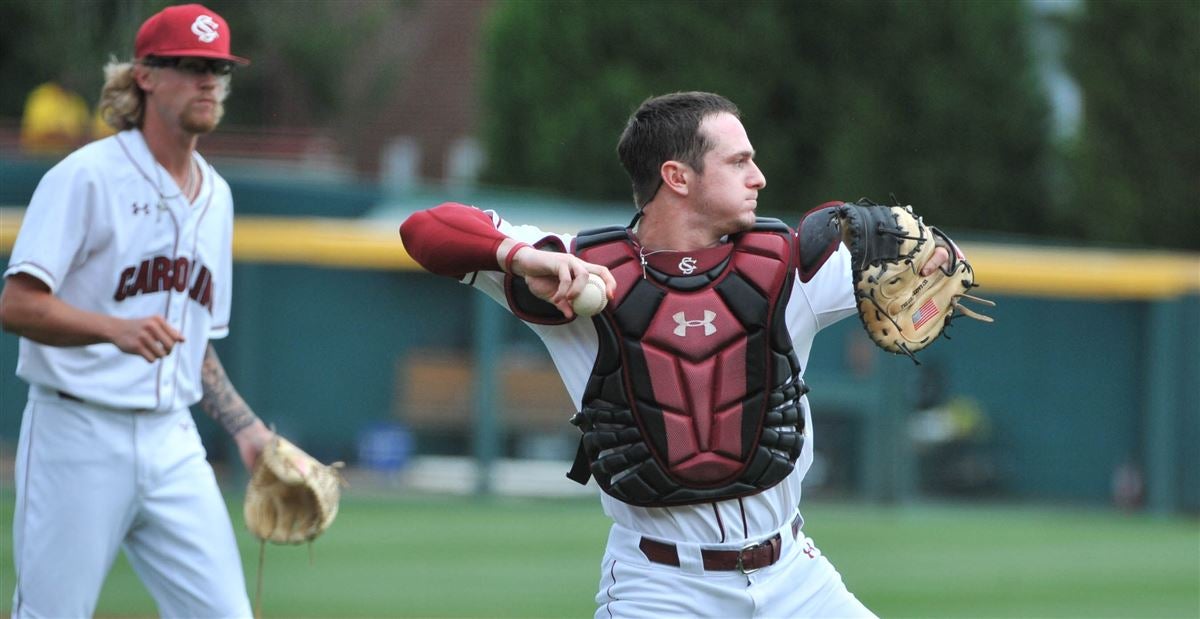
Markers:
741,565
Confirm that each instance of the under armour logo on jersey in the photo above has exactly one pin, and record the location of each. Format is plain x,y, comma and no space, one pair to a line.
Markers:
140,209
684,323
205,29
687,265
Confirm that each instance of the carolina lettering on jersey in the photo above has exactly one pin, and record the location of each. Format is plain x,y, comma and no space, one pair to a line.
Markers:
161,273
695,392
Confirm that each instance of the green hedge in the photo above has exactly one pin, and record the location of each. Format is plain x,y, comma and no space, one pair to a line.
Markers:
935,102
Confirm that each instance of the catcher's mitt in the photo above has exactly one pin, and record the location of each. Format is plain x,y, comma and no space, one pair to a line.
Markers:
902,310
291,498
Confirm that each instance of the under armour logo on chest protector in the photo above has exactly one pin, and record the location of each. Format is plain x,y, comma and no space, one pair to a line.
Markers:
683,323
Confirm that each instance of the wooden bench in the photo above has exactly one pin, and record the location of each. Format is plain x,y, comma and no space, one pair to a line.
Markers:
436,390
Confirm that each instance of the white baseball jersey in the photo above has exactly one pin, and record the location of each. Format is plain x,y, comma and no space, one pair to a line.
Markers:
109,231
814,305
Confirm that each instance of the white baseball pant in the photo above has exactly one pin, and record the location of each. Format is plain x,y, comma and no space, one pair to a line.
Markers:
803,583
91,480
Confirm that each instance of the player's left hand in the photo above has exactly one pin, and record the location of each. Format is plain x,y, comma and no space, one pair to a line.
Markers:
907,282
251,440
940,257
292,497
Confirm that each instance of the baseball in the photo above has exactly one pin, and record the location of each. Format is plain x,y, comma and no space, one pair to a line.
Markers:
592,299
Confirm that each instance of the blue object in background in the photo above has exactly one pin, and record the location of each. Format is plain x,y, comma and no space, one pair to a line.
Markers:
385,447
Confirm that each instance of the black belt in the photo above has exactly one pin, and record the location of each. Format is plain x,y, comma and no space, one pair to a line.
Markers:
74,398
66,396
747,559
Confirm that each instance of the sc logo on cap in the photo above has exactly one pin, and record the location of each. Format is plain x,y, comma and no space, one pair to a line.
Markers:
205,29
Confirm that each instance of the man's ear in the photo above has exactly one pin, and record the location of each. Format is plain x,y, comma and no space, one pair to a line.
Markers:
143,77
676,176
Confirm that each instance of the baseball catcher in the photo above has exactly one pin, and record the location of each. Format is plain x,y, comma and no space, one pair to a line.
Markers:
902,310
291,498
688,380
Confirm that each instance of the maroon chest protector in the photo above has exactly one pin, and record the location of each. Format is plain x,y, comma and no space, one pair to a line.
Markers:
695,392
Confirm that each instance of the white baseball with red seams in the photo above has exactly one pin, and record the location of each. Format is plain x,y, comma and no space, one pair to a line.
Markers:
592,299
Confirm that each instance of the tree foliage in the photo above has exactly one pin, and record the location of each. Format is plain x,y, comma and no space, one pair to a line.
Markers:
299,50
61,40
937,103
1136,163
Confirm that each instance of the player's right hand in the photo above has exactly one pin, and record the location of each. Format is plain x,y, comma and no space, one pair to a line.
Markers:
557,277
152,337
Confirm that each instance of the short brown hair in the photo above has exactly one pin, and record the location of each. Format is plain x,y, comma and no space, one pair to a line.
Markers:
667,128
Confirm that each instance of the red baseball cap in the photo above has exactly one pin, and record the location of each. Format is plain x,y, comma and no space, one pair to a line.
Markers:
185,30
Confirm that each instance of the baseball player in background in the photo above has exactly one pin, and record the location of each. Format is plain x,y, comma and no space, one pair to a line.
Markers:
689,382
119,277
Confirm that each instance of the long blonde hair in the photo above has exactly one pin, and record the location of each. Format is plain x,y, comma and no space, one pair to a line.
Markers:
123,103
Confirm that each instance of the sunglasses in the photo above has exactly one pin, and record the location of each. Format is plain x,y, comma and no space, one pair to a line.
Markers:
191,64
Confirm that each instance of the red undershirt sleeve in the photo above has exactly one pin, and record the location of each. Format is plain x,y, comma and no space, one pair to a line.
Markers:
452,239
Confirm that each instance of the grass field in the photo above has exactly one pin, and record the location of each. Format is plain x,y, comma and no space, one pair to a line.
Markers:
454,557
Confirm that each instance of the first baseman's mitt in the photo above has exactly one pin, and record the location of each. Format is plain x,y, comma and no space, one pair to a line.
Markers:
292,498
902,310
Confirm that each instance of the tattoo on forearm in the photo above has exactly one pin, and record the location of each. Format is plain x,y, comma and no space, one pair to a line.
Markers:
220,400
